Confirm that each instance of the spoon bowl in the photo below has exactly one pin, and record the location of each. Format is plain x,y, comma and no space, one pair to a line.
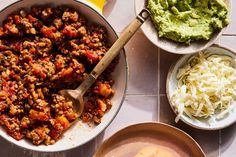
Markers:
76,97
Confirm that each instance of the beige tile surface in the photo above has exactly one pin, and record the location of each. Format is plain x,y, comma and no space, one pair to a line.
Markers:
228,41
135,109
231,29
146,99
143,65
119,13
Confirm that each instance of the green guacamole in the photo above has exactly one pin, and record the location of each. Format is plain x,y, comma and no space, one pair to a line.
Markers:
188,20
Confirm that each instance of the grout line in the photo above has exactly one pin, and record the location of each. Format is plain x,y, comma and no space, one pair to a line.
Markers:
158,84
228,34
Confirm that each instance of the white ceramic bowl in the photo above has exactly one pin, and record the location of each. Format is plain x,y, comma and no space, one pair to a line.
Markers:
171,86
128,141
174,47
79,133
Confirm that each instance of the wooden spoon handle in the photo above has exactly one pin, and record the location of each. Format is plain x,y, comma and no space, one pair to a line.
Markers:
120,43
114,50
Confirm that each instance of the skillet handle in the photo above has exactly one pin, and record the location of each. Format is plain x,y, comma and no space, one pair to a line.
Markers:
114,50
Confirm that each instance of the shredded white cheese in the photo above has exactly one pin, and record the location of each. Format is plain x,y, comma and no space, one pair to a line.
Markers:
206,86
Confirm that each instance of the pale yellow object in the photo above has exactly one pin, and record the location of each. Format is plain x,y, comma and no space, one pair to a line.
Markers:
154,151
99,3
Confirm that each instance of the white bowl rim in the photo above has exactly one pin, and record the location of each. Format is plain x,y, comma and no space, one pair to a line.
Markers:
86,4
150,123
230,50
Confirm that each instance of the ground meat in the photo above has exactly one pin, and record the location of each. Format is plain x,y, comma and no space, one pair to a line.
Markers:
42,52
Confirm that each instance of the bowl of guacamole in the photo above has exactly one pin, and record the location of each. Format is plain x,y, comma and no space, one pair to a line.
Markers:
188,20
185,26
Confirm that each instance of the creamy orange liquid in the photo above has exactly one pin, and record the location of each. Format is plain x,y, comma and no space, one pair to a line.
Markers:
131,149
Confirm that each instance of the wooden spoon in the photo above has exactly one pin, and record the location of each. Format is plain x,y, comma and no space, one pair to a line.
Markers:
76,96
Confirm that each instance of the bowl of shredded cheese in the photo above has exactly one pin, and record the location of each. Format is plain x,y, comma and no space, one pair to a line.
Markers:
201,88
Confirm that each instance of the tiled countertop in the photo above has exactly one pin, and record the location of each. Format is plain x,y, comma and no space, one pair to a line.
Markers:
146,99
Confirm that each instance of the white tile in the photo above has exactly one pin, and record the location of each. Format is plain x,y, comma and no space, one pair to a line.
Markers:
231,29
228,41
143,65
135,109
228,142
119,13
